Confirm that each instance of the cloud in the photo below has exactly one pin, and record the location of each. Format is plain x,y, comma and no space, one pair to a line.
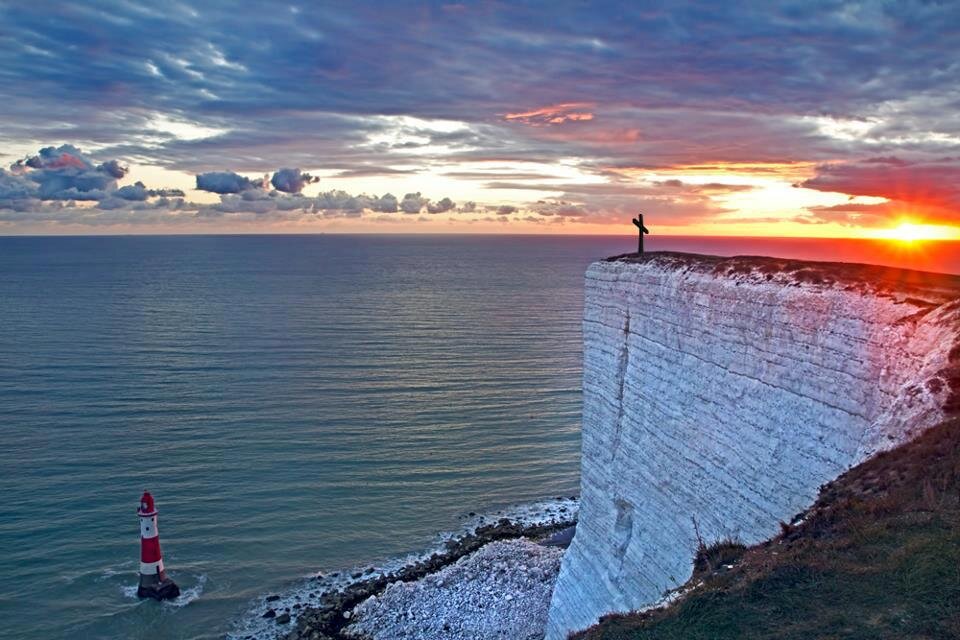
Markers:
160,204
367,171
63,157
853,214
291,180
560,209
679,186
65,173
15,187
442,206
652,80
343,201
927,189
327,204
413,203
71,177
928,182
113,168
139,191
587,87
223,182
387,203
552,115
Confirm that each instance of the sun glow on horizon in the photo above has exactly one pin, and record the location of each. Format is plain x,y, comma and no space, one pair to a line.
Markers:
910,232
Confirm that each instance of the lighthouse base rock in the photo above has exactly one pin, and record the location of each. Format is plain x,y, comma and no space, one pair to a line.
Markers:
719,394
158,590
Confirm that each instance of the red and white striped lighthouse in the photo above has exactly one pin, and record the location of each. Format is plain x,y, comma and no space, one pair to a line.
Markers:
154,582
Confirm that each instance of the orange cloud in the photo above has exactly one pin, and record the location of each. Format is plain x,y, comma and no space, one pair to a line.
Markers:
788,170
556,114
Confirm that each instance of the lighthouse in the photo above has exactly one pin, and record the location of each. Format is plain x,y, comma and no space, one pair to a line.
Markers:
154,582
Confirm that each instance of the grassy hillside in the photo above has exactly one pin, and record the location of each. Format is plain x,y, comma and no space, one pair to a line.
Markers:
877,557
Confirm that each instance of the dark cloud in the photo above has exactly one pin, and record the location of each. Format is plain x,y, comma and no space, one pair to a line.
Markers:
227,182
510,66
65,173
113,168
63,157
291,180
16,185
50,182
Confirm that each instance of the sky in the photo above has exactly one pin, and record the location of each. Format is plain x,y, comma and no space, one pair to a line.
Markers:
809,118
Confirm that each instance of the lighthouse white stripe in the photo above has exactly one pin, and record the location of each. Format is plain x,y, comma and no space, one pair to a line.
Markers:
148,527
151,568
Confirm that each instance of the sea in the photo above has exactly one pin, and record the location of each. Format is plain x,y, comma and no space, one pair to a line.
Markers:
296,404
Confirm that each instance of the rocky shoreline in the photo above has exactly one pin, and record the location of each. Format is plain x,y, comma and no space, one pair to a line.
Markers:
325,614
328,620
502,591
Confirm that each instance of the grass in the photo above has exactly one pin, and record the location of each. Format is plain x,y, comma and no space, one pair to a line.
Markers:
876,558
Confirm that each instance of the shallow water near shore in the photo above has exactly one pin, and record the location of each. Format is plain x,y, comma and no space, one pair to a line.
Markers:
296,404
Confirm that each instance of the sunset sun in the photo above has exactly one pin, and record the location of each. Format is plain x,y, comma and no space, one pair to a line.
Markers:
908,231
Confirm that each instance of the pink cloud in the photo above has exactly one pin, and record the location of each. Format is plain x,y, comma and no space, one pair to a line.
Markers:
551,115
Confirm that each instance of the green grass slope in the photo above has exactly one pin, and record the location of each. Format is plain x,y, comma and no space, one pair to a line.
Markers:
877,557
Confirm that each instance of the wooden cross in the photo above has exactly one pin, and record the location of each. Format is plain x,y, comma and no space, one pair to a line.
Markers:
638,221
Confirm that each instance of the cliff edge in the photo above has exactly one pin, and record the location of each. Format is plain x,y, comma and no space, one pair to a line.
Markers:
721,393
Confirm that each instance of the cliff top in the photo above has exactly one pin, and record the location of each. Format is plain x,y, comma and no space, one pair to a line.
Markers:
927,287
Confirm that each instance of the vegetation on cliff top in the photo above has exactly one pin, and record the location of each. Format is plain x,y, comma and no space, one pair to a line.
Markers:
877,557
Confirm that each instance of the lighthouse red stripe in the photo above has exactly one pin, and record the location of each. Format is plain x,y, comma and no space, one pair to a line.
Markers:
149,549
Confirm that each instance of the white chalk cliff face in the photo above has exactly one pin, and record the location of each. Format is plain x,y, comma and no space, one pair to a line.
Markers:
726,391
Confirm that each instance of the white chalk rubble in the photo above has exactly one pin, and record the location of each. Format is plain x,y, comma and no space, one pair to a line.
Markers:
500,592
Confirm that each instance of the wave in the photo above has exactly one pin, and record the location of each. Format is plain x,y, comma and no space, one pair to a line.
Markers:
190,594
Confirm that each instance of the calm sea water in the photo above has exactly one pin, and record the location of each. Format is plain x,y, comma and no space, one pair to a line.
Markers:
294,403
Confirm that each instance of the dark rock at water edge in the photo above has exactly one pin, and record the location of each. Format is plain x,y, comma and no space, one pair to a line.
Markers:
165,590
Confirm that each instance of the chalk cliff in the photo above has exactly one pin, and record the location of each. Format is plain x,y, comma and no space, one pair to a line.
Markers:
721,393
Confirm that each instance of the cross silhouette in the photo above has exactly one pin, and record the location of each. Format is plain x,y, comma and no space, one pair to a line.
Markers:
638,221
